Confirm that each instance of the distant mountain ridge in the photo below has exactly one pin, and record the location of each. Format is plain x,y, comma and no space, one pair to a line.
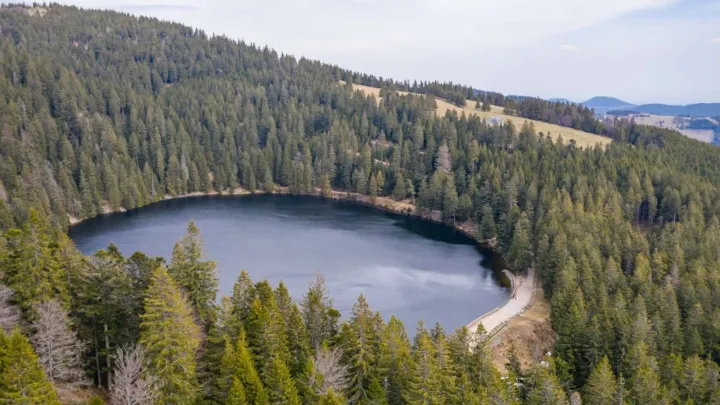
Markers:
604,104
694,110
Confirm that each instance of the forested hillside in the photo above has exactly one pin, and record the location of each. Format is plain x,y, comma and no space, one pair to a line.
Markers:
101,110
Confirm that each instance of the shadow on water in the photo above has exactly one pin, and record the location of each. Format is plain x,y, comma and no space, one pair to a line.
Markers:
445,233
490,258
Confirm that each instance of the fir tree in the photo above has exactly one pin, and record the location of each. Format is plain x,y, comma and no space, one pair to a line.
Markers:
601,387
237,365
22,379
194,275
171,339
280,386
31,266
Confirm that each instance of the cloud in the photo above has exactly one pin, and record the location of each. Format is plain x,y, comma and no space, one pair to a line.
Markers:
511,46
317,27
569,47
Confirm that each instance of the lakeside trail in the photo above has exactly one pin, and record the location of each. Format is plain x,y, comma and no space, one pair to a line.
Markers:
524,289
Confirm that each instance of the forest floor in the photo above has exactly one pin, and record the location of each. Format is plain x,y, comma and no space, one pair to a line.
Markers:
530,333
581,138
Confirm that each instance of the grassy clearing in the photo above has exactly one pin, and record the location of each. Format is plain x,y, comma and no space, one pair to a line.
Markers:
676,123
583,139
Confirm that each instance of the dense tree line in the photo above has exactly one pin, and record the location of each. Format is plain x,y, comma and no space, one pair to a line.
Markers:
555,112
102,110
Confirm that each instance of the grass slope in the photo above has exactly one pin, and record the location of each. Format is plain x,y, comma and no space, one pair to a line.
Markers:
583,139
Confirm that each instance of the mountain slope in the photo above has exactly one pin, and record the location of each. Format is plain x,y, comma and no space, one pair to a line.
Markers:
101,111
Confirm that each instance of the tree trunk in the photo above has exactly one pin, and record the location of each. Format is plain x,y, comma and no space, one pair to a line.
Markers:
107,352
97,360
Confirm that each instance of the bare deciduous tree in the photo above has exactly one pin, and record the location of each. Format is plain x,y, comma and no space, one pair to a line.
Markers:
443,161
334,373
9,314
315,306
130,386
57,345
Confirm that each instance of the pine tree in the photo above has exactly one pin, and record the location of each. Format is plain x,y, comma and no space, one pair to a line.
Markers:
22,379
197,277
171,339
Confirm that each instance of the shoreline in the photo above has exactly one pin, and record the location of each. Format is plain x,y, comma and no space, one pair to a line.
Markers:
492,320
520,298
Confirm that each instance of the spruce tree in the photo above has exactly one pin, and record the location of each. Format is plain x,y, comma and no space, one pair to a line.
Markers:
425,384
280,387
22,379
236,394
395,363
520,254
601,387
171,339
30,265
197,277
237,365
399,192
358,344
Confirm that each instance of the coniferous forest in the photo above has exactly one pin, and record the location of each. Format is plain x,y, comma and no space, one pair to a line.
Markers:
101,110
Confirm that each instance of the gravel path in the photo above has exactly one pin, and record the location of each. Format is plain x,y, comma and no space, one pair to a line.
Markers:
524,288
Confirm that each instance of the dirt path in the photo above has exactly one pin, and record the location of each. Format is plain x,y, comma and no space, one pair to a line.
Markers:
524,289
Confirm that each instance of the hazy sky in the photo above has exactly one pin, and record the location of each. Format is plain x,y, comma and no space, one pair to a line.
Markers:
639,50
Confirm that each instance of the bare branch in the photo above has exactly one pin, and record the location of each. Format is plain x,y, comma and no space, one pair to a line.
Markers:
334,373
9,314
57,345
131,385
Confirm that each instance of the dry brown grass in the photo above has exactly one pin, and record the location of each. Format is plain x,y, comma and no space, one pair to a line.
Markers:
530,332
676,123
581,138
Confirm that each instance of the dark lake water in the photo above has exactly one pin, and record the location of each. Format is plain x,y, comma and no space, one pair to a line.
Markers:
407,267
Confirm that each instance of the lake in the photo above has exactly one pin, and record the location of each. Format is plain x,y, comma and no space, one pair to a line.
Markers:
404,266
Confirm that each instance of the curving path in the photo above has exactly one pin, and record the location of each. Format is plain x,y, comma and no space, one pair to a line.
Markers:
524,289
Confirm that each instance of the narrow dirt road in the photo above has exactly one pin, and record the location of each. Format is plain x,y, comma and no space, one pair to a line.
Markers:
524,288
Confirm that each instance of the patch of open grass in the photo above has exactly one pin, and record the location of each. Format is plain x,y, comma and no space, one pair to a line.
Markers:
581,138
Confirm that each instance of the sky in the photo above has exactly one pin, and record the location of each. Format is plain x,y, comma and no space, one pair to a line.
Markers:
641,51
